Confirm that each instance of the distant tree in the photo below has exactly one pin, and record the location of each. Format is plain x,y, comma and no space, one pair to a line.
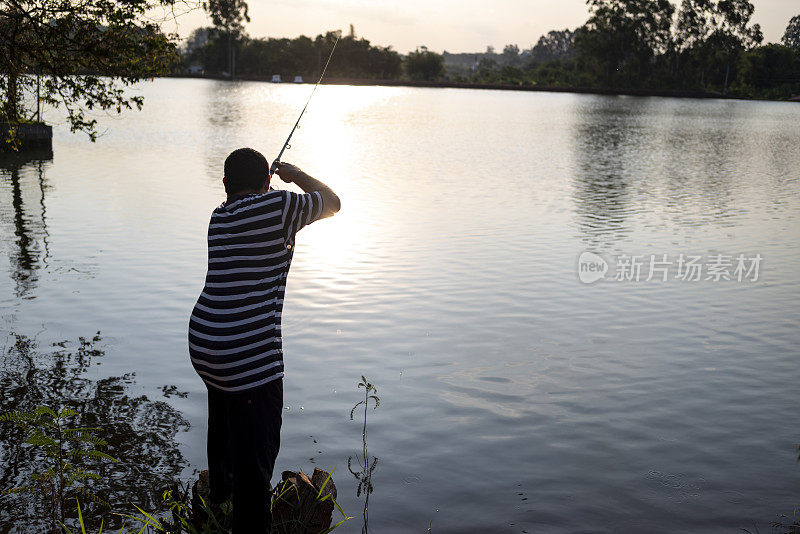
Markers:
384,63
555,46
323,44
228,17
422,64
304,54
265,57
486,71
195,48
197,39
791,36
510,55
733,18
622,36
511,75
486,63
693,23
357,58
773,70
714,33
698,20
354,58
79,55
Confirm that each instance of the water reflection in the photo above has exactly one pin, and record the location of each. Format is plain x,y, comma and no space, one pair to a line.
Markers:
225,110
363,475
139,431
367,464
24,174
701,156
603,141
678,165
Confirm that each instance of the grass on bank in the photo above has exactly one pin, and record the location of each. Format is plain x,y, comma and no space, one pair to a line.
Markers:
69,465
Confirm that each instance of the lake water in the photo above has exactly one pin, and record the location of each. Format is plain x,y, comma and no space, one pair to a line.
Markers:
514,397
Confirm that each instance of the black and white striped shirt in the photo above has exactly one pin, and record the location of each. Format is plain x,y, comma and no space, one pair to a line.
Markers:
235,328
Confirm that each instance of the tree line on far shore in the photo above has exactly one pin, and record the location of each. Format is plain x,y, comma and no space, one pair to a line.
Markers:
702,45
212,50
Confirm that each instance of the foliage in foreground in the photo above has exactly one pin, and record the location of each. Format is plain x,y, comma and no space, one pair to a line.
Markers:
139,431
68,470
78,453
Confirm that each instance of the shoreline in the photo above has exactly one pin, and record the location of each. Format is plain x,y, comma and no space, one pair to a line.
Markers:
499,87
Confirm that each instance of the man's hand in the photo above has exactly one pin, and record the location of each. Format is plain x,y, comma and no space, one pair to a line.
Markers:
287,172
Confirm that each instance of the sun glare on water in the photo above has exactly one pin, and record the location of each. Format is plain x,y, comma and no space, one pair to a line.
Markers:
328,148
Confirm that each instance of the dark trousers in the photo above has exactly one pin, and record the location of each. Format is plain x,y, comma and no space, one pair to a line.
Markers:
244,435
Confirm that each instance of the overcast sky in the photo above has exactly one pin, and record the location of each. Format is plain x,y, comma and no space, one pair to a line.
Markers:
452,25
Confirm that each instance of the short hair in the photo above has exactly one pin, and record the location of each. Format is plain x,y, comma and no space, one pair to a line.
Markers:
245,169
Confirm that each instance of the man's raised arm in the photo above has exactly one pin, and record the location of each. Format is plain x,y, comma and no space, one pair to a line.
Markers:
330,201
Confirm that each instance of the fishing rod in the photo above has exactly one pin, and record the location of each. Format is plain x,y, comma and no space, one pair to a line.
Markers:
286,145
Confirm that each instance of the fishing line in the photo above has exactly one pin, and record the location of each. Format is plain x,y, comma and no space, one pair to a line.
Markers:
286,145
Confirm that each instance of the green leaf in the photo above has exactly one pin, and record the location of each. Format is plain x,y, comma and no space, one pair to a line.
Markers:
101,456
45,411
354,409
18,489
67,412
337,525
151,521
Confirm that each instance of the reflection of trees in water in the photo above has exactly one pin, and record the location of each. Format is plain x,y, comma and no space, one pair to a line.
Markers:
226,112
139,431
29,222
664,162
601,185
703,155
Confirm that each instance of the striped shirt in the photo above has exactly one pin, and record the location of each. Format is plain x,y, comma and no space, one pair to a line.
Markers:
235,327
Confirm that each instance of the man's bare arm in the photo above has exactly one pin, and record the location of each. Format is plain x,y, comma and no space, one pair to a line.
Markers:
330,201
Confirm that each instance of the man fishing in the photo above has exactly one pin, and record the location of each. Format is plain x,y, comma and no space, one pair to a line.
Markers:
235,327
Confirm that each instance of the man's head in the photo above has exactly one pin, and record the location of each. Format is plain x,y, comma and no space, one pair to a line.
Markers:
246,170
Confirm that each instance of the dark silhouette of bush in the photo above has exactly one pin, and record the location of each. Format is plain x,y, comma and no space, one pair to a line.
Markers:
422,64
